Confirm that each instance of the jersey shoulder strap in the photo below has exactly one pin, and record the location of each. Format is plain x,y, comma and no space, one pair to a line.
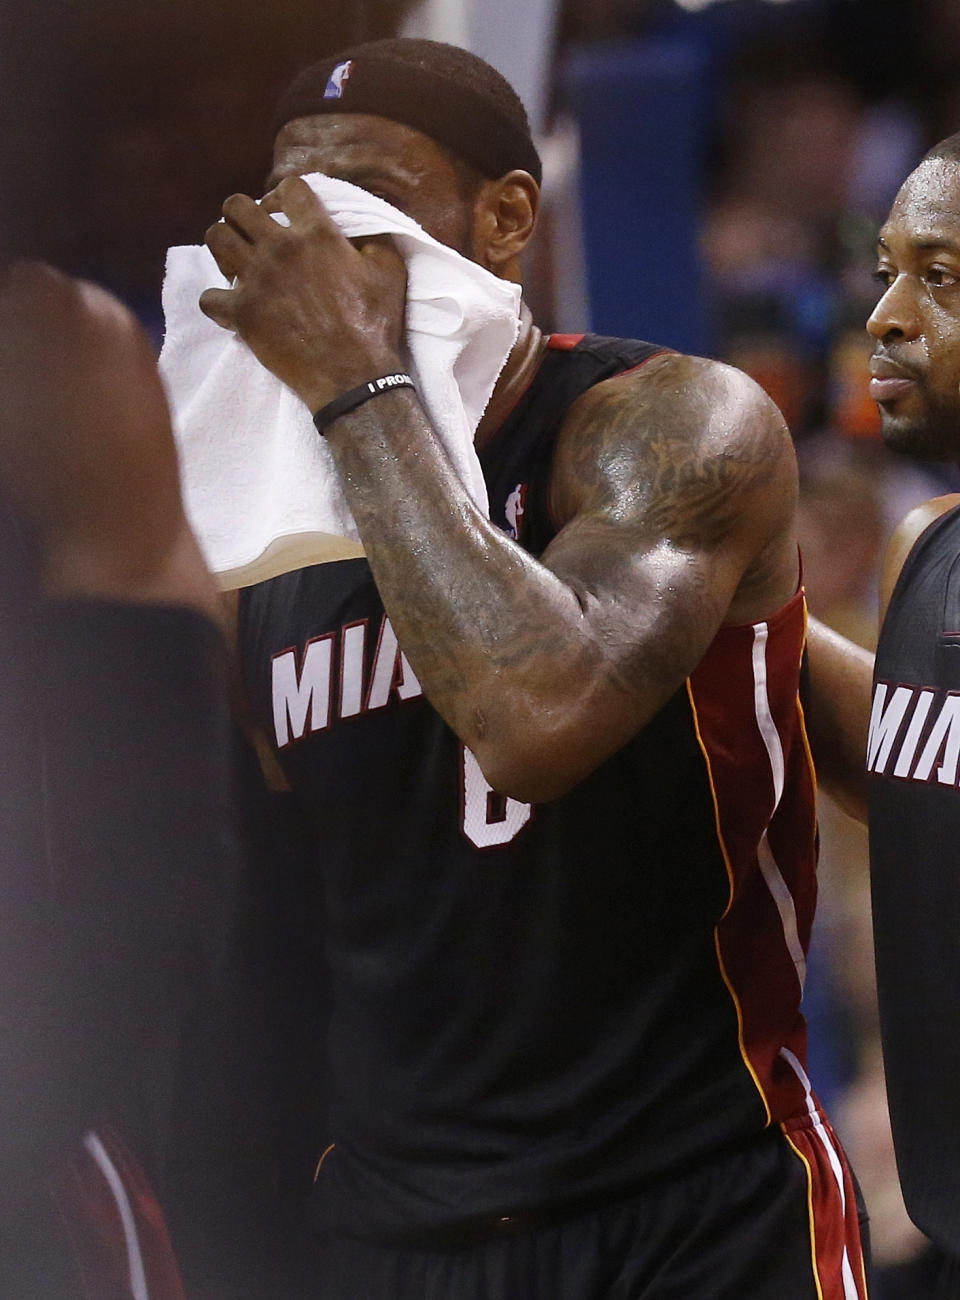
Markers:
516,461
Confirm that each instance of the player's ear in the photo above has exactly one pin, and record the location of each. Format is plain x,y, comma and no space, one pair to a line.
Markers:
506,216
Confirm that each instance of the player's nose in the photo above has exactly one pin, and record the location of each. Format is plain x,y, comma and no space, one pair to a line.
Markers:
896,313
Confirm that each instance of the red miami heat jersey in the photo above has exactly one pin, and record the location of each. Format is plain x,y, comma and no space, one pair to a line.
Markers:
534,1006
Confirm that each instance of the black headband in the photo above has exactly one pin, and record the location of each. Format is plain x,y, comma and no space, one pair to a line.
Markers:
462,118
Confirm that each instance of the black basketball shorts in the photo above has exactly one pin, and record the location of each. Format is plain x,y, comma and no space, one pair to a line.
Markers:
777,1220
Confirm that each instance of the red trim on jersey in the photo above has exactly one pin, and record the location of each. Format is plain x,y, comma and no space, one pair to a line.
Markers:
746,706
640,364
566,343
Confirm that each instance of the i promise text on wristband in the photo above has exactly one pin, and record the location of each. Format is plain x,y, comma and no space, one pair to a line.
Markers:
357,396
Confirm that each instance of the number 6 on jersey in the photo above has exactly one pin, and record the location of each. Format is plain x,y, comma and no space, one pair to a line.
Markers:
488,819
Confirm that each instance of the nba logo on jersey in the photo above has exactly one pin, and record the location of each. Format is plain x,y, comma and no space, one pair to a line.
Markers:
338,80
513,509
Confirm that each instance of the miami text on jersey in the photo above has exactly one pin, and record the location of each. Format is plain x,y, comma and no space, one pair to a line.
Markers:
304,695
914,734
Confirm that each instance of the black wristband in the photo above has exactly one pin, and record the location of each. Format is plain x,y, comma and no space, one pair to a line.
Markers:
357,396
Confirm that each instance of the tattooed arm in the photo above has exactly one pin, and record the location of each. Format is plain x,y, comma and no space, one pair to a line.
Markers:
674,489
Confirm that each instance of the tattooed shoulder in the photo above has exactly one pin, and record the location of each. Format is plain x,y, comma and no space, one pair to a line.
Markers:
678,447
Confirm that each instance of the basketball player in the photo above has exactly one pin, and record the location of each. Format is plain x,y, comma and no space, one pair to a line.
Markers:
114,789
912,773
555,759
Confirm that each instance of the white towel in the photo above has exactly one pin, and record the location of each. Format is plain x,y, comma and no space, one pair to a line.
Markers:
260,485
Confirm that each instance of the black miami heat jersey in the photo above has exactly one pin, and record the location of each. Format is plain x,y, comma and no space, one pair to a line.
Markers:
913,765
534,1006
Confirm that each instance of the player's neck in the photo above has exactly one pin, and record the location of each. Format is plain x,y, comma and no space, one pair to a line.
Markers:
520,367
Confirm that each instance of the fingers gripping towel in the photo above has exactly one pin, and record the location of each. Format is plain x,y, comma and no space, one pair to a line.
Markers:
260,485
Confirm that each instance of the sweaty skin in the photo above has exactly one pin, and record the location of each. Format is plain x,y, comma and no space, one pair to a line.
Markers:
916,383
673,486
916,324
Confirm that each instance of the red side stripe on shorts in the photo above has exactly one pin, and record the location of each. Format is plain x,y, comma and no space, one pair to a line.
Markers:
115,1225
835,1245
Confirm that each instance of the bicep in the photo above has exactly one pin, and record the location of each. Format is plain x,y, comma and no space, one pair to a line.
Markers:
676,513
652,604
666,493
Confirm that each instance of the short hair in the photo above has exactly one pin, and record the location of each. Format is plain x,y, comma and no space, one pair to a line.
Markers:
451,95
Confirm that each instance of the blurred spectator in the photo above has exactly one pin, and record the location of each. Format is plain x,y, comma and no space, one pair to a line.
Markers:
789,238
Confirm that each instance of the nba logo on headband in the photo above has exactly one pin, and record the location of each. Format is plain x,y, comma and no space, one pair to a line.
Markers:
338,79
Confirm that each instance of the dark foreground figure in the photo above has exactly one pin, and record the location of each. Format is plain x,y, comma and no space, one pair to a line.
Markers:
115,793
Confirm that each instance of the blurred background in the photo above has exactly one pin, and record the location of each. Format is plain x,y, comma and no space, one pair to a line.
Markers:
715,174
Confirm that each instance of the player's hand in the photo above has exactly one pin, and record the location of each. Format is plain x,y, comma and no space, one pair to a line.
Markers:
322,313
87,457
